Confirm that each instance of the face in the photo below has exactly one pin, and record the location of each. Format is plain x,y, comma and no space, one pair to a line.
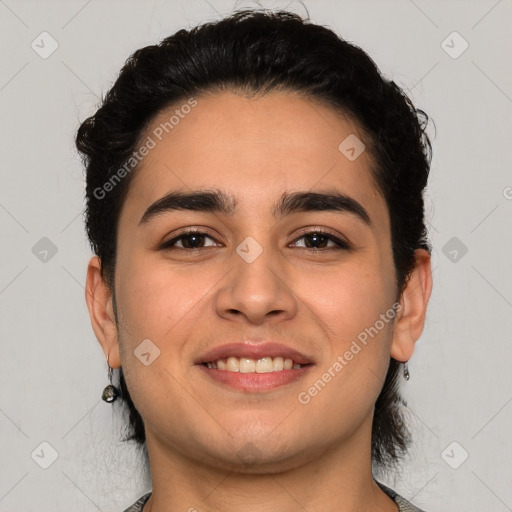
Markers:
313,279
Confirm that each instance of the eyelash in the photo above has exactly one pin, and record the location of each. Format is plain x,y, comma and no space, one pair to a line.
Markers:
342,245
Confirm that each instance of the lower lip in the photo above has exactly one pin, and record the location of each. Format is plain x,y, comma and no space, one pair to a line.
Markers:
255,381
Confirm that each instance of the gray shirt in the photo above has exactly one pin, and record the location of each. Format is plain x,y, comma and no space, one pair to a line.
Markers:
403,504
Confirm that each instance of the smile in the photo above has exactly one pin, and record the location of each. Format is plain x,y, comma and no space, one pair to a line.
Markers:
248,365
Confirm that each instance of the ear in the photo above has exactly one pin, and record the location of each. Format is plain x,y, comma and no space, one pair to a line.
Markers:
99,302
410,319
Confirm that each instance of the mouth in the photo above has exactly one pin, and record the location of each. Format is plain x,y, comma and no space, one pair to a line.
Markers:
264,364
254,367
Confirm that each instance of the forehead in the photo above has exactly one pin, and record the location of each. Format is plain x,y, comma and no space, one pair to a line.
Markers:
254,149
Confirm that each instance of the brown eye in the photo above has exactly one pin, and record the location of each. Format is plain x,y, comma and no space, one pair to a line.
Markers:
190,240
317,241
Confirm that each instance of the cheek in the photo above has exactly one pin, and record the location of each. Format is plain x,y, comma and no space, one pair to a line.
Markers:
355,310
354,305
349,298
157,298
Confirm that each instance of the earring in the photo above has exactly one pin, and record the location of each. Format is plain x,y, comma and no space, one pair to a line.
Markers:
110,393
407,375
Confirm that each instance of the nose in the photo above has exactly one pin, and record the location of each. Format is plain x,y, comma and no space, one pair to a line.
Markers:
255,291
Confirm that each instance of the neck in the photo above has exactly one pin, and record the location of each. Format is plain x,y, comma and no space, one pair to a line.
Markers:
339,479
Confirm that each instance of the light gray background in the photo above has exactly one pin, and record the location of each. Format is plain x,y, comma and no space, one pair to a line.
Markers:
52,369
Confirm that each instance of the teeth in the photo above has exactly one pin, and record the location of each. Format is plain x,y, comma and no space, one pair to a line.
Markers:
264,365
232,364
247,365
277,363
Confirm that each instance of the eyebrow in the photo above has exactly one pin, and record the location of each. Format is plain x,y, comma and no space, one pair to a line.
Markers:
218,201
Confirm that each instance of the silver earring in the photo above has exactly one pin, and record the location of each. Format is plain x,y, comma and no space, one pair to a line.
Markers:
407,375
110,393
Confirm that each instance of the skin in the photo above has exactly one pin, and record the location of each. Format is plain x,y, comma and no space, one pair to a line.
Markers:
313,457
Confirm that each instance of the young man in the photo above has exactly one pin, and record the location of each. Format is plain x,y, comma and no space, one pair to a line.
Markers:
261,266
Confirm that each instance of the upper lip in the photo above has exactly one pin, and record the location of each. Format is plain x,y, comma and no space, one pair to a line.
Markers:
253,351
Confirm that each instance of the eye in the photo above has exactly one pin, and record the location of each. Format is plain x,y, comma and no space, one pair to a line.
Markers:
190,240
320,237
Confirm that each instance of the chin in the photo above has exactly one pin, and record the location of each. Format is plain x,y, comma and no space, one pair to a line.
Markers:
252,459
